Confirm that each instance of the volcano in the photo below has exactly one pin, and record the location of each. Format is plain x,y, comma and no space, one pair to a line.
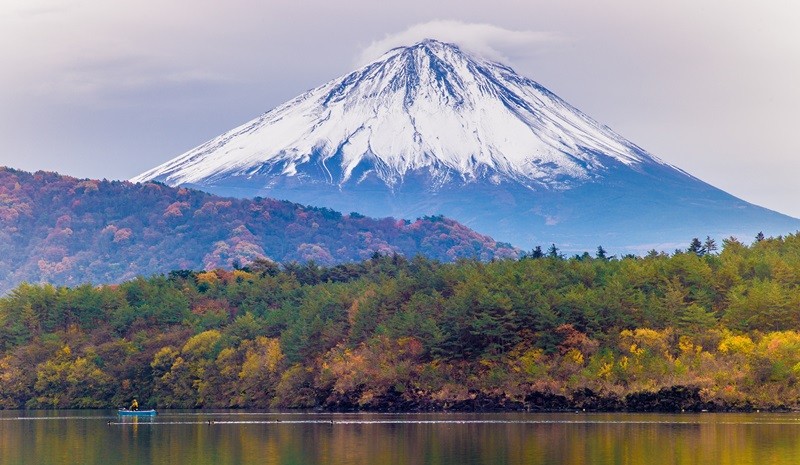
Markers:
432,129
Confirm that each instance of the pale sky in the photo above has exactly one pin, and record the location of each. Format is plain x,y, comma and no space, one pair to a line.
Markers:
108,89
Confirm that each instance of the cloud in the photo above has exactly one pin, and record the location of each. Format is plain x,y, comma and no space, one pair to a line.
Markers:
121,78
487,40
28,9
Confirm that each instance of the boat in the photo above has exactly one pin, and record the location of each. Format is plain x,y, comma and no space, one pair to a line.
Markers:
136,413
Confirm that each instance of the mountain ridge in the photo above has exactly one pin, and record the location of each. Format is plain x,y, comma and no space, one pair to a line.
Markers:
68,231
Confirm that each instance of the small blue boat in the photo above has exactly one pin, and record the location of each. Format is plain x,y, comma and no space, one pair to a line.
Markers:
136,413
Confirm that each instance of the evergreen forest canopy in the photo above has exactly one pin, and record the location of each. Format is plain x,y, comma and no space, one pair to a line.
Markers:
698,329
68,231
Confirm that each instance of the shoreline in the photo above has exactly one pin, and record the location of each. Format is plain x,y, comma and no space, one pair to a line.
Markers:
675,399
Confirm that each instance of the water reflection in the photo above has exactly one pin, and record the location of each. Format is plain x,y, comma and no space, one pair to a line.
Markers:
61,437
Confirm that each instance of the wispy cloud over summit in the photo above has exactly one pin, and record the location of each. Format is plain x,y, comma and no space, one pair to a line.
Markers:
490,41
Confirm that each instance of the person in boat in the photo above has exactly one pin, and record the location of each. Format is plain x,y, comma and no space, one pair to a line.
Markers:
134,406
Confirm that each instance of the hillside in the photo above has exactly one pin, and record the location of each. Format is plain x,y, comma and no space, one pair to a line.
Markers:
693,331
67,231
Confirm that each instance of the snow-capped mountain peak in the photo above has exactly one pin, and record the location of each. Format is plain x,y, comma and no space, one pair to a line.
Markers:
430,129
428,108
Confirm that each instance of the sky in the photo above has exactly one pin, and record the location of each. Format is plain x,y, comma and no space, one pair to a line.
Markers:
99,89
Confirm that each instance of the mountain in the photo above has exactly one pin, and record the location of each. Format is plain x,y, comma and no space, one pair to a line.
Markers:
431,129
68,231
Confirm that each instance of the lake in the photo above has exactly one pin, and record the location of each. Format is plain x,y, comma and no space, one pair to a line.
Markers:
237,437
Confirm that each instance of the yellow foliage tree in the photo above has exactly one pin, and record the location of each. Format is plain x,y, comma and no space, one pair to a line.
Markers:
260,371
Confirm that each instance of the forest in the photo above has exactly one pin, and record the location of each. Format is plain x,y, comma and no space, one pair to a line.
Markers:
68,231
705,328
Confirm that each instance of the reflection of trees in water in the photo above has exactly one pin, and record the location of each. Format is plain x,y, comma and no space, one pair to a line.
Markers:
724,439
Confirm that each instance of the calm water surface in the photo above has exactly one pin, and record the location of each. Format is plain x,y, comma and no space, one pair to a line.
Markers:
173,437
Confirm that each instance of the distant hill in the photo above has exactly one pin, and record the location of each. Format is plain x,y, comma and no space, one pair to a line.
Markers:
66,231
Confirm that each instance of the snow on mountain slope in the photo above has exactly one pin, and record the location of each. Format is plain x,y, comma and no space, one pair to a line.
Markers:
429,106
429,129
